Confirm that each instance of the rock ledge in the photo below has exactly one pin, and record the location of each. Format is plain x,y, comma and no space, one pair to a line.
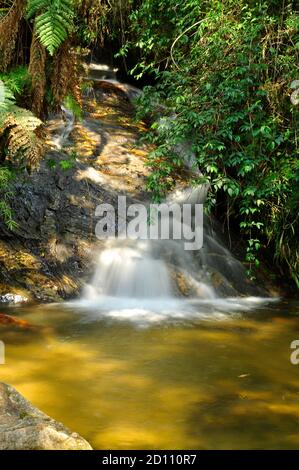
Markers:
24,427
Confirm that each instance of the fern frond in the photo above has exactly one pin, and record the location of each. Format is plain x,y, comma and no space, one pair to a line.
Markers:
22,142
9,27
53,21
66,76
38,74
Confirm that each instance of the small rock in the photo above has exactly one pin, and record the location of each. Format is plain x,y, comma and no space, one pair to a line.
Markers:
18,322
12,299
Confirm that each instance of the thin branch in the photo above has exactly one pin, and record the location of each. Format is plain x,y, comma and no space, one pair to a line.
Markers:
179,37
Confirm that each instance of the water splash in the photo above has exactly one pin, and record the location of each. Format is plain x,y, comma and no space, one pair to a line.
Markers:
128,272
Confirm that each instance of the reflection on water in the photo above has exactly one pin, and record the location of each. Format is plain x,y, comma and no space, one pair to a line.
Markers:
193,384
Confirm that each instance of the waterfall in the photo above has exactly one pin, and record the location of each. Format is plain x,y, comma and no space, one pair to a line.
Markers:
103,73
130,272
148,280
63,133
136,281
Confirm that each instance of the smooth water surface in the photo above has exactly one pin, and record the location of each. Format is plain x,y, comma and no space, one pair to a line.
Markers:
212,382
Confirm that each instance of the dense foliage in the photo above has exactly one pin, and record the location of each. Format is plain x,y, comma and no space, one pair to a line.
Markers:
225,72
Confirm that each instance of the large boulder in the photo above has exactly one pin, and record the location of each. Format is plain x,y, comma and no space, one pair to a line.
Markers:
24,427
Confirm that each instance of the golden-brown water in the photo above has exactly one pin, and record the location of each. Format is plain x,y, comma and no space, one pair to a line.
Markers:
217,384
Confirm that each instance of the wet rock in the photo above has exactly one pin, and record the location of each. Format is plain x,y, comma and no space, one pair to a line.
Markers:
12,299
24,427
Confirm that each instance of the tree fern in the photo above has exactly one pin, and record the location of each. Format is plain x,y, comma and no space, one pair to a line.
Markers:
6,175
19,129
53,21
9,28
20,143
37,72
66,74
21,137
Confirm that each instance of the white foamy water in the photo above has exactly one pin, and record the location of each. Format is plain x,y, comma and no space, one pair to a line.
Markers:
147,312
129,273
132,283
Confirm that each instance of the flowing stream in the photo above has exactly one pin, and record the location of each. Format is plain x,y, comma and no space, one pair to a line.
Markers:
162,350
141,280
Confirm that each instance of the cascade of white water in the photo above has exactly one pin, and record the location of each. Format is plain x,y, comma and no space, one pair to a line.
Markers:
104,73
130,272
63,133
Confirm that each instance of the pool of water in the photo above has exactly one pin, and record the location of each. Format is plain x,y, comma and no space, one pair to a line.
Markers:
212,382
